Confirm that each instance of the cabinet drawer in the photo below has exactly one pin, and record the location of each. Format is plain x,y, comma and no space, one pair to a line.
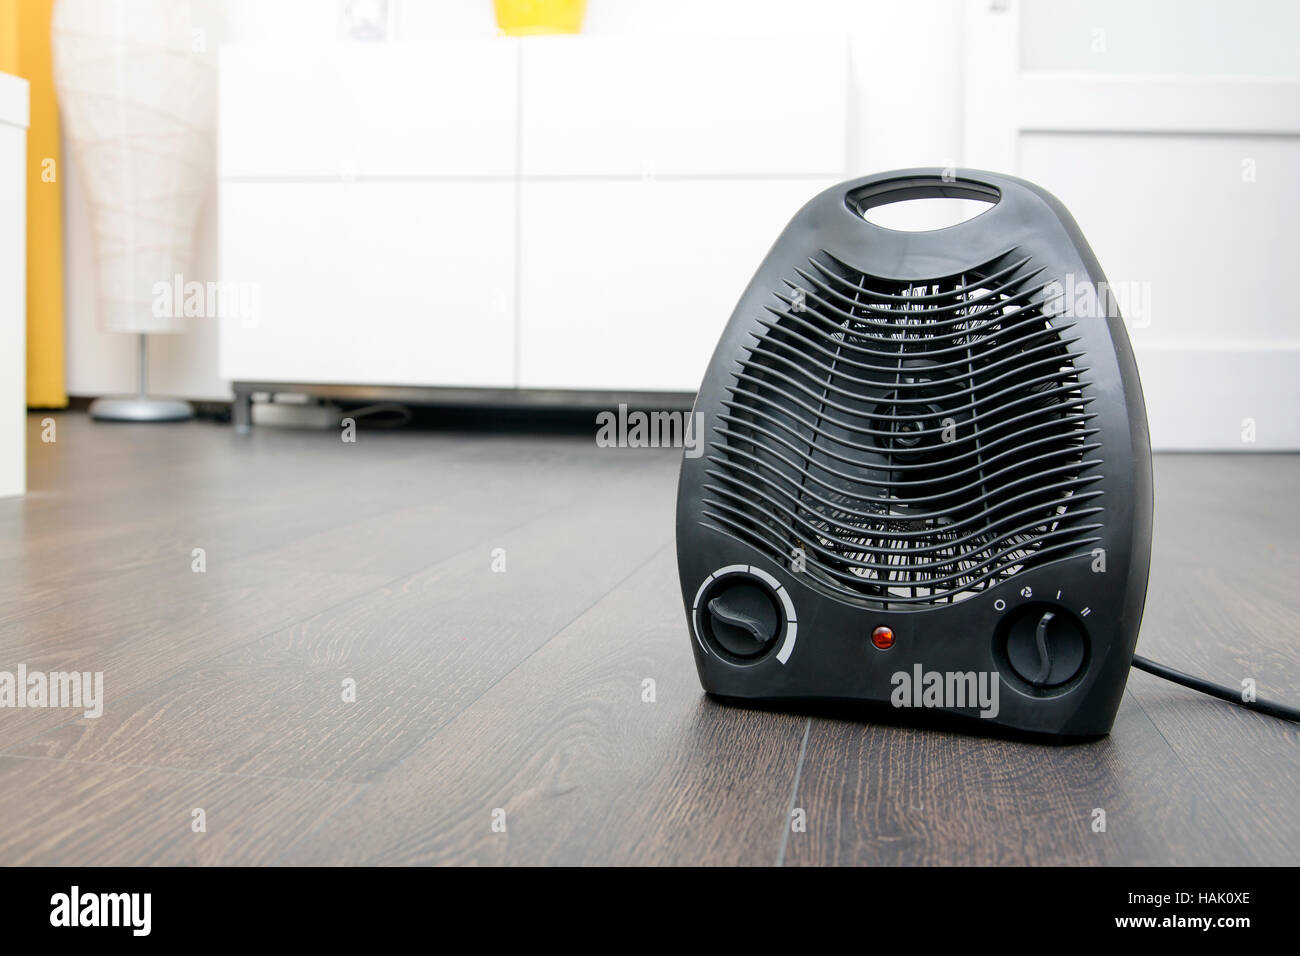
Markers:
368,110
686,106
369,283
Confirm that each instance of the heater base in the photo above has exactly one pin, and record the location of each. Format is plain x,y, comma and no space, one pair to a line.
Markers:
882,714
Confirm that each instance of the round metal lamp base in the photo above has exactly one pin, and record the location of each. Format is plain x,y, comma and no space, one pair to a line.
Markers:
140,408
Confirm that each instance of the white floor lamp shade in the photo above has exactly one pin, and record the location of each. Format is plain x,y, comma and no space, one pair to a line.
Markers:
136,89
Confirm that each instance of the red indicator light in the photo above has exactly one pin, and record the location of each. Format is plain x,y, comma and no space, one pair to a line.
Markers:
883,638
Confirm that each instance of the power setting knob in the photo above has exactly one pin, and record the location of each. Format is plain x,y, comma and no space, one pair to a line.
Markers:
743,615
1046,645
743,618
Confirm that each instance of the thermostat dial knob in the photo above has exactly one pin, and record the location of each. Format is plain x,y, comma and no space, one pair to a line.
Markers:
1046,645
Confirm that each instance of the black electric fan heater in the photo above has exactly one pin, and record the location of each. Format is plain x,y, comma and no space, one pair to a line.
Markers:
925,454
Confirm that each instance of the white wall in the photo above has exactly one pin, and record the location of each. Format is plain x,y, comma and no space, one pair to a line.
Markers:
13,284
906,100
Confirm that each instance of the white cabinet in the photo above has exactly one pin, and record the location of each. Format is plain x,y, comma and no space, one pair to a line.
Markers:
686,106
368,109
576,213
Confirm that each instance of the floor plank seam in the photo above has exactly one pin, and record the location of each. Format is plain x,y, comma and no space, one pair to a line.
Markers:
794,795
1187,771
423,742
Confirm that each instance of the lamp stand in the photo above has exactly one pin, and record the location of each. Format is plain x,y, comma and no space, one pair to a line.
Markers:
141,407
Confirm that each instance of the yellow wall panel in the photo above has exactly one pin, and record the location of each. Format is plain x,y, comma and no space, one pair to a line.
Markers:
25,52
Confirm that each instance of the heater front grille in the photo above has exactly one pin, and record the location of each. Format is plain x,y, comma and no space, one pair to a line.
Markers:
908,443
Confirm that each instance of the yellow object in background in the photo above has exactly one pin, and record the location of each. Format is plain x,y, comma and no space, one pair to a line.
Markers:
518,18
25,52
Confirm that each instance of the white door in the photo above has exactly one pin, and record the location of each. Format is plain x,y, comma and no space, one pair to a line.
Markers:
1171,131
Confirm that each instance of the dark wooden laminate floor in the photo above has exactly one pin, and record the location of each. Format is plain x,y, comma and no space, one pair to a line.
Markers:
521,692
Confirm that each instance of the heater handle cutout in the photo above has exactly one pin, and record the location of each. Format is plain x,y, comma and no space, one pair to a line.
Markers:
864,198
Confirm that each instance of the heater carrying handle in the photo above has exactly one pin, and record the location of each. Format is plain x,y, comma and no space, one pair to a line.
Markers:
866,194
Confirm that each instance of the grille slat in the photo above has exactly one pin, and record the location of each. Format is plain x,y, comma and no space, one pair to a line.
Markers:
888,334
916,441
984,478
1011,534
876,316
879,531
1032,320
963,289
851,581
895,418
1051,440
1050,345
1050,360
854,460
861,447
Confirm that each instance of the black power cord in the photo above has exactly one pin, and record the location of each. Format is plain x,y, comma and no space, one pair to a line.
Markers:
1216,690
